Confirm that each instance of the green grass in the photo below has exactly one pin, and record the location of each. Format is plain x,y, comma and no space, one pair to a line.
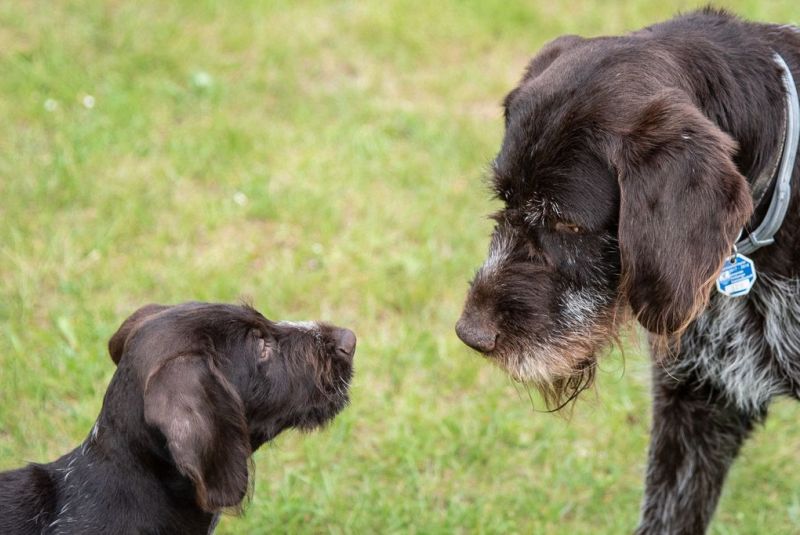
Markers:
325,160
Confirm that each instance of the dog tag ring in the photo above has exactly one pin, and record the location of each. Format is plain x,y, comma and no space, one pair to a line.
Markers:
737,276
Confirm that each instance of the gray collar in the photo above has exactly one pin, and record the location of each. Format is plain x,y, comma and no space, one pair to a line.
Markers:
763,234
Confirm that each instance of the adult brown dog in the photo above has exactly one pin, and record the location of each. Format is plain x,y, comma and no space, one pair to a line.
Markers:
629,166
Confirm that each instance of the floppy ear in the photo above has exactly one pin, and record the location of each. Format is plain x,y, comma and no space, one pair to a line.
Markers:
116,345
682,203
202,418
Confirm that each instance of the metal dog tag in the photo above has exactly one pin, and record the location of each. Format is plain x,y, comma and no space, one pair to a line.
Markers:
737,276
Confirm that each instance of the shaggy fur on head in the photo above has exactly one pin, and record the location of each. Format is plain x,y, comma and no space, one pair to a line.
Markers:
625,175
198,388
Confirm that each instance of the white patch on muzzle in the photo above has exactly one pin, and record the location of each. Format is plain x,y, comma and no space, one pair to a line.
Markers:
580,308
545,361
499,252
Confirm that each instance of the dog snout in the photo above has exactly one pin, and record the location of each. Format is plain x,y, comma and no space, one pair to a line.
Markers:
477,333
345,343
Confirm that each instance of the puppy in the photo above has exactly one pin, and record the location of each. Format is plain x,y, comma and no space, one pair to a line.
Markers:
198,388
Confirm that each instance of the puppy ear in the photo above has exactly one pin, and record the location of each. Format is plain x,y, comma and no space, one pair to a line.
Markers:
682,203
202,418
116,345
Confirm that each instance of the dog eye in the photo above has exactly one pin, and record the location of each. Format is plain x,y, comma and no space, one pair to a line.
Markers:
570,228
264,349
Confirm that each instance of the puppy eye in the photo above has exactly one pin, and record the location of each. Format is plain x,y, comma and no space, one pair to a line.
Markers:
264,349
570,228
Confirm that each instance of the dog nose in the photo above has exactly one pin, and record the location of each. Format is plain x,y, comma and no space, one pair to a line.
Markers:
345,343
480,336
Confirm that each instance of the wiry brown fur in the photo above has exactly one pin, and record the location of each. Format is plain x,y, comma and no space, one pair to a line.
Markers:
625,174
651,180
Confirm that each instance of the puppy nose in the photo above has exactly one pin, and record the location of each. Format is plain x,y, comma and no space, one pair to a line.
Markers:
345,343
480,336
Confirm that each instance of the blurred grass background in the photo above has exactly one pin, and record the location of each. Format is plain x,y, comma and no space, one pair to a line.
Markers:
324,159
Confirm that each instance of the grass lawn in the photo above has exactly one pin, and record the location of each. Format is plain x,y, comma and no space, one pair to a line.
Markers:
324,159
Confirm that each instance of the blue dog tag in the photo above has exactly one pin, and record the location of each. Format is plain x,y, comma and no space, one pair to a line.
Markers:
737,276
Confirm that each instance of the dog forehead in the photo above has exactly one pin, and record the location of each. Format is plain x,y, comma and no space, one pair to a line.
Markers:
573,182
537,152
188,328
554,163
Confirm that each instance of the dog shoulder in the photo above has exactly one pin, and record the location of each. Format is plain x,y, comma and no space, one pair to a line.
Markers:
28,499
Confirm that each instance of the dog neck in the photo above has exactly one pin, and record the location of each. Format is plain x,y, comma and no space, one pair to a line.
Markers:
763,182
105,486
780,173
758,121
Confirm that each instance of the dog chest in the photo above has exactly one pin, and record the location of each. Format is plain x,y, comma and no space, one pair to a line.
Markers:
748,347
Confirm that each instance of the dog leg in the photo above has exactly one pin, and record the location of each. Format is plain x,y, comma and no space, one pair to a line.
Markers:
695,437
